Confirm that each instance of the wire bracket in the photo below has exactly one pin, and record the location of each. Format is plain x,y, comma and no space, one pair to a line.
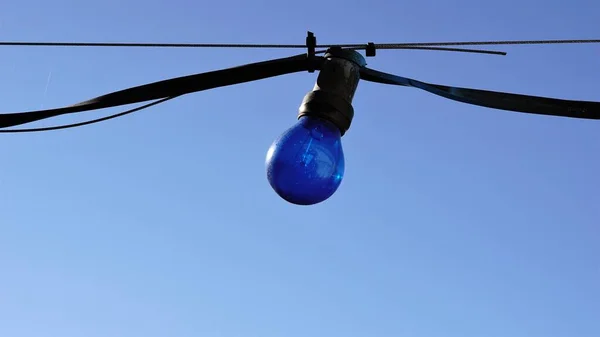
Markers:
370,51
311,45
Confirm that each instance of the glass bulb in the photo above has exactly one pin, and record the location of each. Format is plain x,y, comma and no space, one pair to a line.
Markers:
305,165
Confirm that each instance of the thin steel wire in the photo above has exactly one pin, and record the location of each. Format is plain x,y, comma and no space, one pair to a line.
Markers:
486,43
292,46
208,45
460,50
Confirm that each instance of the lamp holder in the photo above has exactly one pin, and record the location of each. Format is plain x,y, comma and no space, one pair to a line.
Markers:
331,97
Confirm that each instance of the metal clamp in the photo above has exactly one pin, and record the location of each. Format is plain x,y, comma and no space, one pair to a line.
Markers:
311,45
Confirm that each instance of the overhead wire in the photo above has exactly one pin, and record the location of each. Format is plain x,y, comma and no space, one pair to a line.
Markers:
435,46
403,45
236,45
487,43
459,50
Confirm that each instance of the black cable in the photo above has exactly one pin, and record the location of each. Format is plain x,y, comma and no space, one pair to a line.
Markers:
174,87
66,126
493,99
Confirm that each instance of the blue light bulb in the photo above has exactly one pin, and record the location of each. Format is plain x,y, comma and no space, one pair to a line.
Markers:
305,165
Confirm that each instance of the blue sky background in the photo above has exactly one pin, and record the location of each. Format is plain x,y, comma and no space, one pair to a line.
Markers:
452,220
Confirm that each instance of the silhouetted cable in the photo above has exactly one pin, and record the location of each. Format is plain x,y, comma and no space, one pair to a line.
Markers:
66,126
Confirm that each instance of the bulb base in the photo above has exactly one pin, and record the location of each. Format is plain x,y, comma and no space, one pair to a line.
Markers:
333,108
331,97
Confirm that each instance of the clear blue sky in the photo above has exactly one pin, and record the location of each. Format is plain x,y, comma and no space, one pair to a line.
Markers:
452,220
